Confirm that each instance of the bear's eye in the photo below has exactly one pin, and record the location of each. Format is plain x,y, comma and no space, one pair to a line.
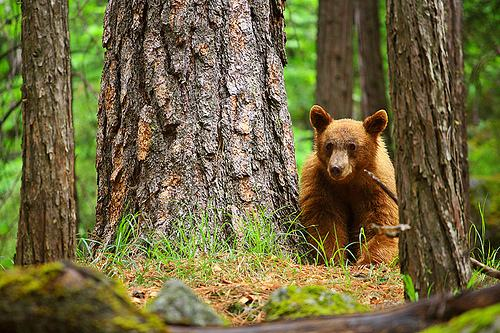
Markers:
329,146
351,146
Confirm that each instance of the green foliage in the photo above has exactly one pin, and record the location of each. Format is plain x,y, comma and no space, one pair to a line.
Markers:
410,291
481,247
482,250
10,127
481,58
85,22
303,146
484,149
293,302
300,73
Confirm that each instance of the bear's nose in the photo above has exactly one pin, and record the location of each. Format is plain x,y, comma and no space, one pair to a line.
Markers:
335,170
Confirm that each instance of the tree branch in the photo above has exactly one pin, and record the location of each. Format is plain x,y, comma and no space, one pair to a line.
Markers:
491,272
382,185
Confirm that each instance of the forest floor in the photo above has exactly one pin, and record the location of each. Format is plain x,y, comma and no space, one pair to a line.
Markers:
239,286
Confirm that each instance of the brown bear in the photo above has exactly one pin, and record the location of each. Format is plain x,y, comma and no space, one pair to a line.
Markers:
337,197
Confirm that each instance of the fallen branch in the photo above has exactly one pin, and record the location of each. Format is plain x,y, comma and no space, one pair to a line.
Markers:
491,272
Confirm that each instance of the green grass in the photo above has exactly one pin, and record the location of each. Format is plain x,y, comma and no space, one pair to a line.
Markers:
482,250
193,238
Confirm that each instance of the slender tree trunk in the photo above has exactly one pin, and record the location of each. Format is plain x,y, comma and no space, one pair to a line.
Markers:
371,68
193,114
429,149
47,223
334,66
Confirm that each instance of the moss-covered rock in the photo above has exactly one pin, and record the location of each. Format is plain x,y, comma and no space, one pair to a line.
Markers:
486,320
177,304
62,297
293,302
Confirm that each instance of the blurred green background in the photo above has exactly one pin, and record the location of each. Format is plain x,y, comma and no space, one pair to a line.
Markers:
482,60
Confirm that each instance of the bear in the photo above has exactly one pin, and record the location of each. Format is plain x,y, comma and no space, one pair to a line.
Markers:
337,197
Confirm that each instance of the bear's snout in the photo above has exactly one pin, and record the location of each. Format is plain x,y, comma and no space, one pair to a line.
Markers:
338,166
335,170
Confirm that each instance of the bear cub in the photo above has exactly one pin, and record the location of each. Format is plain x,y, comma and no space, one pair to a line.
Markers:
337,198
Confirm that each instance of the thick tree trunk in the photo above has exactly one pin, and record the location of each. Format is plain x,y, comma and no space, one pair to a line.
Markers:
193,114
334,66
454,16
47,223
371,69
429,147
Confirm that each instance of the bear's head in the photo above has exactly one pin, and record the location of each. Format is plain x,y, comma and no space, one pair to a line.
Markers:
345,147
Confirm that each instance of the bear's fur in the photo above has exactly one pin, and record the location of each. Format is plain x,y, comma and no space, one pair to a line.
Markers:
337,197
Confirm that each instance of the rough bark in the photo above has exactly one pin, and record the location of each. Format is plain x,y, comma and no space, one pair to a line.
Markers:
371,69
429,149
193,114
454,14
47,223
334,66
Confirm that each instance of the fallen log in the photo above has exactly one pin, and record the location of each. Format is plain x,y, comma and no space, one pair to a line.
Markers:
62,297
411,317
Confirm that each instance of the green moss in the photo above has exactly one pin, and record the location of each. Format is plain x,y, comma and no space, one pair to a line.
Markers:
65,298
293,302
18,284
484,320
135,325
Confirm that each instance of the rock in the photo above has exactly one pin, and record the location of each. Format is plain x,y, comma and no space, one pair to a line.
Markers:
177,304
293,302
62,297
486,320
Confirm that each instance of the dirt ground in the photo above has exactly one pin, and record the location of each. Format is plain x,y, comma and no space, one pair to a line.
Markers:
240,297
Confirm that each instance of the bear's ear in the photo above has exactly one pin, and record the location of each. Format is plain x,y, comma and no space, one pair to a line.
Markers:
376,123
319,118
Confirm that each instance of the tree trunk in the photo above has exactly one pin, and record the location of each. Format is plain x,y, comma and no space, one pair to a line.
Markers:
47,223
370,58
429,149
334,66
193,115
454,16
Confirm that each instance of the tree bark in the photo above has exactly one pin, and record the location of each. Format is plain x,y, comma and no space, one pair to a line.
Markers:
193,115
454,18
371,69
334,66
429,149
47,223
